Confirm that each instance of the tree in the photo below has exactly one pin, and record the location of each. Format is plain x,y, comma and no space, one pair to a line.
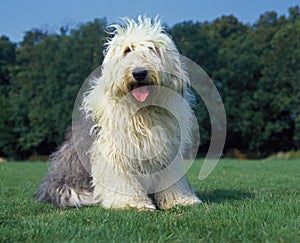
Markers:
49,72
239,72
279,89
7,61
255,68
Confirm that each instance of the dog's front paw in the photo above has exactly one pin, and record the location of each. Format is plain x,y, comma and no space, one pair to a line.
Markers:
146,207
127,202
167,201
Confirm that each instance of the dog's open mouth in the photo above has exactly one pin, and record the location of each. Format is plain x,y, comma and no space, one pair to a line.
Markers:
141,92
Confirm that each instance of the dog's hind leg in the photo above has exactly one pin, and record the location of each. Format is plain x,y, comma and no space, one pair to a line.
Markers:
67,196
68,183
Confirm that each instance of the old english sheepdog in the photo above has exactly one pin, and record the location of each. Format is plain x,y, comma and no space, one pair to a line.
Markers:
138,125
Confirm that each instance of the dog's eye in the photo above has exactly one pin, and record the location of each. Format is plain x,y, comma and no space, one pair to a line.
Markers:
126,50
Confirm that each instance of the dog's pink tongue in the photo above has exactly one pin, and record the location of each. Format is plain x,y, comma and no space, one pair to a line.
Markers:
140,93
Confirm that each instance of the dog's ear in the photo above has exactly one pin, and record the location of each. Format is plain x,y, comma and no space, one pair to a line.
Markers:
185,82
184,78
177,71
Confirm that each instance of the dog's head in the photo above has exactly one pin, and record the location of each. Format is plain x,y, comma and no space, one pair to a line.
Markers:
141,56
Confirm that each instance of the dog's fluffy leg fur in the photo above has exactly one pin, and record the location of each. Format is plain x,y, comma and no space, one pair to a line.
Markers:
67,183
117,189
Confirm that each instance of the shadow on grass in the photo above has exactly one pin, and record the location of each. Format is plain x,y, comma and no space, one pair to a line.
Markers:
218,196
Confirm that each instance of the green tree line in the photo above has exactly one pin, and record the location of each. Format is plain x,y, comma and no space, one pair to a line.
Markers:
255,67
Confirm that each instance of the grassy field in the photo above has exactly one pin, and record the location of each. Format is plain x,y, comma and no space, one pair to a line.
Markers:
244,201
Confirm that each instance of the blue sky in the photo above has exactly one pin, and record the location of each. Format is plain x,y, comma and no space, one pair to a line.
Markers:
18,16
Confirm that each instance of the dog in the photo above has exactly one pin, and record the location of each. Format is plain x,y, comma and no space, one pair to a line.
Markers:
126,150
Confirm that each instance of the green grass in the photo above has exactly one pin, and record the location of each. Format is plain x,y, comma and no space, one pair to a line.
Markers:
244,201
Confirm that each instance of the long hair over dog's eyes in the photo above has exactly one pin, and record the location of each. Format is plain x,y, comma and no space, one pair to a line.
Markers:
126,50
155,50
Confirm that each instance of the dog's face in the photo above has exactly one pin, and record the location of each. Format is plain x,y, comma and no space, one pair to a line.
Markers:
140,57
142,69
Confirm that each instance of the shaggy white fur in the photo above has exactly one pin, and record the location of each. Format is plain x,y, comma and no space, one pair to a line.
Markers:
135,143
143,126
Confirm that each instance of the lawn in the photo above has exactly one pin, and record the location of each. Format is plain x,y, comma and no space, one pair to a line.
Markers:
244,201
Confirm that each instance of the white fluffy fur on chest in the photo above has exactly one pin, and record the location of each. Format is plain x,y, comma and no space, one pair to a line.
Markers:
143,142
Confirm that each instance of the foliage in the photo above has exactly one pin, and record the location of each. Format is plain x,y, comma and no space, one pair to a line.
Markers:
255,67
48,73
7,61
243,201
286,155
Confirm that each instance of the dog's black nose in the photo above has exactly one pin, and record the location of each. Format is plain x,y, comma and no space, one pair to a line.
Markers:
139,74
